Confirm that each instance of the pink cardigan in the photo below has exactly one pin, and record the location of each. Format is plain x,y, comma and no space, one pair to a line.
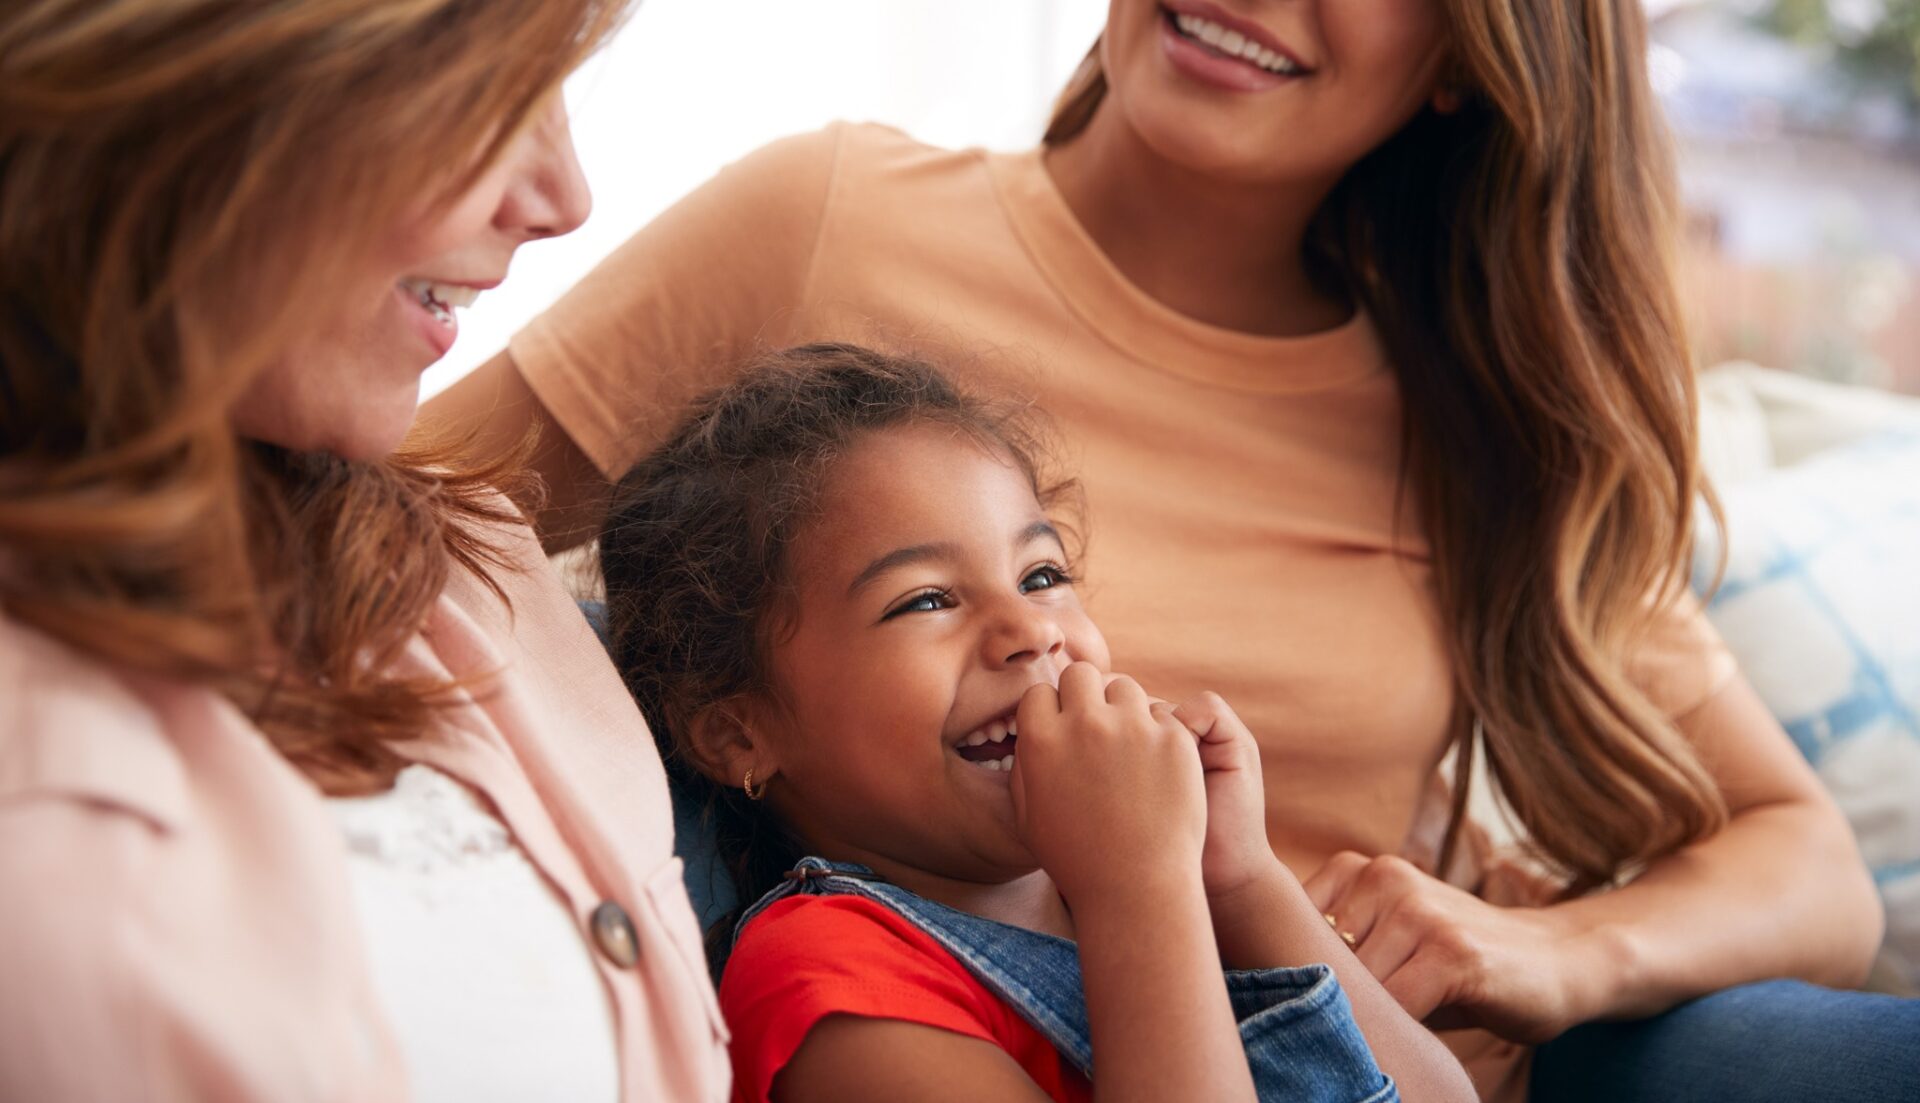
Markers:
175,920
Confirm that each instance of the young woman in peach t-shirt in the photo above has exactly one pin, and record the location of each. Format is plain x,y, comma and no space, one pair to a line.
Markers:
1359,324
314,784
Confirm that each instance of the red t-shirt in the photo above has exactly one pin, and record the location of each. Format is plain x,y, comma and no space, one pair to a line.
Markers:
807,957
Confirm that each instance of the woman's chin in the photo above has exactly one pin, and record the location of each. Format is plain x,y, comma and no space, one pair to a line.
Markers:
357,431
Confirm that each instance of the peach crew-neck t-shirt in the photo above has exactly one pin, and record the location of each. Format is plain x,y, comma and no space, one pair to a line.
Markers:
1240,489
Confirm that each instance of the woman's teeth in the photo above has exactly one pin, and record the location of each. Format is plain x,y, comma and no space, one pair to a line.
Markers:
440,298
1234,44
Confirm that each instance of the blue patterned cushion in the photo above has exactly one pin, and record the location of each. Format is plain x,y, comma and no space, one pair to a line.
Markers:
1821,604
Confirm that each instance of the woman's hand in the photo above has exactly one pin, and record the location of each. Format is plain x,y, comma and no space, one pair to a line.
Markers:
1452,959
1236,852
1106,787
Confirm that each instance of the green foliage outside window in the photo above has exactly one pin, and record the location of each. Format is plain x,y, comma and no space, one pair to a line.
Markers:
1877,40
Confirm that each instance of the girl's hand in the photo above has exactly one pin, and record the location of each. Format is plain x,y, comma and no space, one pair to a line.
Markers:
1454,960
1106,789
1236,852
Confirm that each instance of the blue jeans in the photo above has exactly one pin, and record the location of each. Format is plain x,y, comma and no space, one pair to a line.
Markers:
1760,1043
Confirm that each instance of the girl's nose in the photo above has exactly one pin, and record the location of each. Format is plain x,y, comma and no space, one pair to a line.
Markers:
1024,636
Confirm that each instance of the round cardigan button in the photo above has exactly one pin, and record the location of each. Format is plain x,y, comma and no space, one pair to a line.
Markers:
613,933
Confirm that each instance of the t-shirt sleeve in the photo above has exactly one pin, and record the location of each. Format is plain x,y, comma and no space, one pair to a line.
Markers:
1681,662
809,957
660,320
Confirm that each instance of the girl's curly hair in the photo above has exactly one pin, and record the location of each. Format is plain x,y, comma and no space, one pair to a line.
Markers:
694,550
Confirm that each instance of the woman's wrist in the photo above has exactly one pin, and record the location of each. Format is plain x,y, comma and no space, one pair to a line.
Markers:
1602,968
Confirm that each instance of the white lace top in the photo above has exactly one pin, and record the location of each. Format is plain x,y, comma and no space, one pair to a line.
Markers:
487,981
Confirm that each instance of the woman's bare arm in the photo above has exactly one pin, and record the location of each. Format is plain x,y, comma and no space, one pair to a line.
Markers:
496,407
1781,891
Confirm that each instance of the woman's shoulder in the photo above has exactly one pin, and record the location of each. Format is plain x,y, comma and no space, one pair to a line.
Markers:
72,728
850,169
155,857
860,150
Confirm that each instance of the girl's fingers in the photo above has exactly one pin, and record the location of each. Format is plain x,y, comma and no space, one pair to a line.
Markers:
1210,717
1082,687
1039,705
1124,692
1199,719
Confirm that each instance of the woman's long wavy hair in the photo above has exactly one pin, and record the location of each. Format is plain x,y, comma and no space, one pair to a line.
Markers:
181,182
1517,257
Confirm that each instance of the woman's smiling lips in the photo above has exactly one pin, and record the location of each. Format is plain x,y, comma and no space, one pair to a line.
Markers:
1218,48
430,306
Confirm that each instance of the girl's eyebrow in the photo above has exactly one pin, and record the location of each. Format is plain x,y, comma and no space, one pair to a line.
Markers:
900,557
920,553
1039,530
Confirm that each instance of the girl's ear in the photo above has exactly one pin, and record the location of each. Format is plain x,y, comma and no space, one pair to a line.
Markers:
724,742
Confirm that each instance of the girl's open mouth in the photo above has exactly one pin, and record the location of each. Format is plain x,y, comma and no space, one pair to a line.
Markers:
991,746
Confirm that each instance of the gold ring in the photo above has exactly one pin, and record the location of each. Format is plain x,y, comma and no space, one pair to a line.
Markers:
1352,942
1331,920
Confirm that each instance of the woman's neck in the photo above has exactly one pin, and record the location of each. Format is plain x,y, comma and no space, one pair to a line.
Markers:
1221,252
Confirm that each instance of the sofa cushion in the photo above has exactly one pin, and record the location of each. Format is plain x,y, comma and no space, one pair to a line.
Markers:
1821,604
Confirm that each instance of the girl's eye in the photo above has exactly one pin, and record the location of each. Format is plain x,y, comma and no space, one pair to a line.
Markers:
1044,577
926,601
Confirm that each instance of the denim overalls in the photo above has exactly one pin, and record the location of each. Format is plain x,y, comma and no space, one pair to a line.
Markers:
1296,1025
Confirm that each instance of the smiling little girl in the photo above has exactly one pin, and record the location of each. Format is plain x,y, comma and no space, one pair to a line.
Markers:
984,865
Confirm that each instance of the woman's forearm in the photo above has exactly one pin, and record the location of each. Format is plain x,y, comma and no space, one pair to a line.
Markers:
1271,923
1161,1023
1780,892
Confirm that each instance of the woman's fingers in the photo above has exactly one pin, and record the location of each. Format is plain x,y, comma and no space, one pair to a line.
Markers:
1331,880
1387,941
1420,985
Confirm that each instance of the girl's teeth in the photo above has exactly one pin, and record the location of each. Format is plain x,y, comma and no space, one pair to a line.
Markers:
975,740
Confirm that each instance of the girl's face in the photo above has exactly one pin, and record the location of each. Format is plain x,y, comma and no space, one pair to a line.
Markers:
352,391
1328,82
930,595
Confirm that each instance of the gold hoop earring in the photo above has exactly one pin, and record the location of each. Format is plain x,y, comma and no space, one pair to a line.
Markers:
748,786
